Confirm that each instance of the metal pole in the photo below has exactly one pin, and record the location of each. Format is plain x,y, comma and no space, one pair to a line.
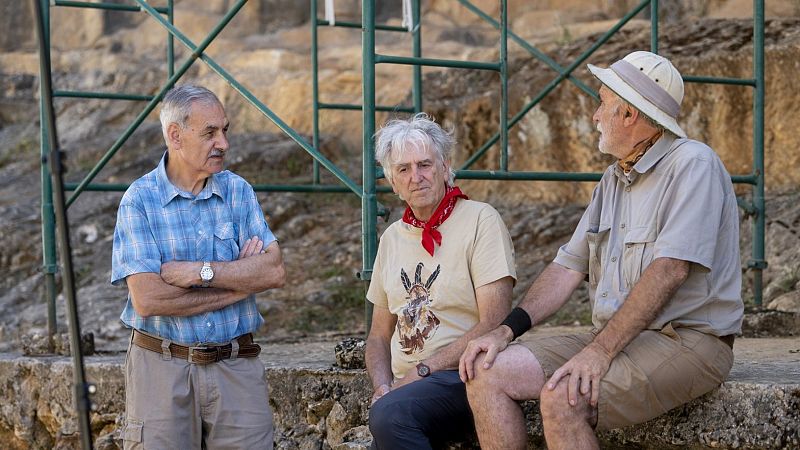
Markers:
314,89
369,240
49,264
758,262
654,26
170,41
504,86
81,389
417,53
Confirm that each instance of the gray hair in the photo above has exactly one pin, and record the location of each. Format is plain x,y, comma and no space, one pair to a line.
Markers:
652,122
418,131
177,104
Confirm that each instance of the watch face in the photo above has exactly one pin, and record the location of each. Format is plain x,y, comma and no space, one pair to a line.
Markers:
206,274
423,370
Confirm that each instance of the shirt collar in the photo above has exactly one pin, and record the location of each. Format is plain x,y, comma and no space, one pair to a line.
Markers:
658,151
168,191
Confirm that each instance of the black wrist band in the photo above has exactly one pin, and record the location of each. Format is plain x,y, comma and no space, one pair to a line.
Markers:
519,321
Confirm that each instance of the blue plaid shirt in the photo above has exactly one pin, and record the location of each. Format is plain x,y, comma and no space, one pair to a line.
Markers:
158,223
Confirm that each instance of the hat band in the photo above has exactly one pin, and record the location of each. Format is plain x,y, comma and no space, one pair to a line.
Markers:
646,87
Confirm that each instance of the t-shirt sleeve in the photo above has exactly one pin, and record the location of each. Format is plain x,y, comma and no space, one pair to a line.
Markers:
691,213
493,253
135,249
376,294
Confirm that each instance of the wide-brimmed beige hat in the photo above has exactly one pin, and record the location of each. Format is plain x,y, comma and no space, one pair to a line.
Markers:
650,83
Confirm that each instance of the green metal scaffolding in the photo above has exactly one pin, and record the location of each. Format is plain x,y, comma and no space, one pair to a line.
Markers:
367,191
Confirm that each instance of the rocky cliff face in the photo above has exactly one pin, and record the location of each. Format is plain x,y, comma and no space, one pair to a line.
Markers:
267,49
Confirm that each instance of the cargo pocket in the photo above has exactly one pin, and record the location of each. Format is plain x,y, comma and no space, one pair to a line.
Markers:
596,243
225,245
637,254
133,431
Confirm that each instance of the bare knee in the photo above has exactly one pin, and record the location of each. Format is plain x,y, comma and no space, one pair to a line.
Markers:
555,407
483,379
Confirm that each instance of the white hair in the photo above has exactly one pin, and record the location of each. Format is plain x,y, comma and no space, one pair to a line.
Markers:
417,132
177,104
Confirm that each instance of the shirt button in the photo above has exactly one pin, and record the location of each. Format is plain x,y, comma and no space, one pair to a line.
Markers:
604,294
628,189
208,324
201,232
622,225
613,259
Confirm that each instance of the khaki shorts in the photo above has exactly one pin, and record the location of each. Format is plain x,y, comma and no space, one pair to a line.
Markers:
173,404
657,371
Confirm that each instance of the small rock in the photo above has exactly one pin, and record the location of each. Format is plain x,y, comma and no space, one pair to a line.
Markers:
39,344
350,353
788,302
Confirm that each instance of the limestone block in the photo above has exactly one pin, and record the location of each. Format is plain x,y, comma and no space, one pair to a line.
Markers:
789,302
16,21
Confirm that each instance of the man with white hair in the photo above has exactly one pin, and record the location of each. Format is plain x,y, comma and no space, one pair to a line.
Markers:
659,243
192,246
443,275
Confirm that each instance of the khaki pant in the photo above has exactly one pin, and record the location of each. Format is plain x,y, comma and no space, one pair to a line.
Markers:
172,404
657,371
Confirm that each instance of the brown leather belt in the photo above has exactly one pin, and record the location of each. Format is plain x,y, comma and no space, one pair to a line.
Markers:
202,354
728,340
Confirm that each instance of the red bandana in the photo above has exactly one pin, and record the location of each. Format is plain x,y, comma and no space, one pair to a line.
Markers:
429,232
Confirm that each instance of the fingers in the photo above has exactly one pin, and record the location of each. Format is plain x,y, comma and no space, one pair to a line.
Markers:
572,388
245,249
595,392
560,373
466,365
491,354
252,246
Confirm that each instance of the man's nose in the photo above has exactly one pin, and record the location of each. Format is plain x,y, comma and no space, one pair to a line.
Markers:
416,174
222,142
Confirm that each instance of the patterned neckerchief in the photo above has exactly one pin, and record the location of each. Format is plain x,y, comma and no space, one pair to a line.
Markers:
627,163
430,234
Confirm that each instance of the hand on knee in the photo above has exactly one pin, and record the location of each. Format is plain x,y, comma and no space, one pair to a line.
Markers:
555,407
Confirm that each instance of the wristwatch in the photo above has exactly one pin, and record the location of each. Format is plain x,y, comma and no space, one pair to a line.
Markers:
423,370
206,274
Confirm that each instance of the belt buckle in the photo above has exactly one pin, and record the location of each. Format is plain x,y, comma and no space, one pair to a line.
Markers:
190,357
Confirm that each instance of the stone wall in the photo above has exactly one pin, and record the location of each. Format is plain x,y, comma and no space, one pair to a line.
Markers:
317,406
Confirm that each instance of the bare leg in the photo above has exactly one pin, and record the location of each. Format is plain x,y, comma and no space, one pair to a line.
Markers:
493,395
565,426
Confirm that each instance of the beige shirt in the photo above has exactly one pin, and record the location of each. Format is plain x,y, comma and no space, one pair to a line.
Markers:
677,202
433,297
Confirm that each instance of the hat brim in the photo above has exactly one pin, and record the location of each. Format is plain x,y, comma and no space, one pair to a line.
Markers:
626,92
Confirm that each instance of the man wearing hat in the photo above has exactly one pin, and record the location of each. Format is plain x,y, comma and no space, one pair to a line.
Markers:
659,245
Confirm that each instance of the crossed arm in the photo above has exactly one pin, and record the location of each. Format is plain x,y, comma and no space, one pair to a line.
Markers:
173,292
494,303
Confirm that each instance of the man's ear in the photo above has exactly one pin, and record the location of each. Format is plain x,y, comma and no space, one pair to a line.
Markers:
629,116
174,135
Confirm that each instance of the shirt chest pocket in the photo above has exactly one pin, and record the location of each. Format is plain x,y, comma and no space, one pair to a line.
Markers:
226,247
637,254
597,241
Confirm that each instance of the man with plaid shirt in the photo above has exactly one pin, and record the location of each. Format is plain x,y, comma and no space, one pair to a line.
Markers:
192,246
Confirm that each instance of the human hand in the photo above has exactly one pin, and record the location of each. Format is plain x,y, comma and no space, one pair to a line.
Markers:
184,274
380,392
252,246
585,370
491,343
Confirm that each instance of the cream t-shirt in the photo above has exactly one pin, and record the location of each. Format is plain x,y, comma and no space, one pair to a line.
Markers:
433,297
